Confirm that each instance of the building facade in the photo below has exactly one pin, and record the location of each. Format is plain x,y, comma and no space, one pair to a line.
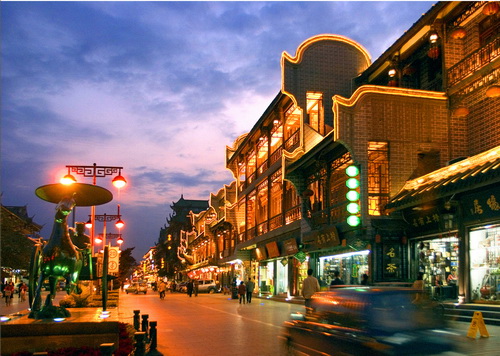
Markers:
388,169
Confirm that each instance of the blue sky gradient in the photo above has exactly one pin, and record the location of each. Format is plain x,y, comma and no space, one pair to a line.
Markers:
160,88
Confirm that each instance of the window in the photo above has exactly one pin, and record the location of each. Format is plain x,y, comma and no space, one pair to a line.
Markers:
276,194
276,142
292,127
338,189
378,177
251,167
262,202
251,210
262,151
315,111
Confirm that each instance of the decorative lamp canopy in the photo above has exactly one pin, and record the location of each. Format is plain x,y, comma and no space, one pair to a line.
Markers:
84,194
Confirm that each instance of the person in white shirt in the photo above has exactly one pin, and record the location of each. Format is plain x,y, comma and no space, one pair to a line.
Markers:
309,287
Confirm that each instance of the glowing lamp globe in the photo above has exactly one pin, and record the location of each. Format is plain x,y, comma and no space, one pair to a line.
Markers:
119,224
353,208
68,179
353,220
352,171
352,183
119,181
352,195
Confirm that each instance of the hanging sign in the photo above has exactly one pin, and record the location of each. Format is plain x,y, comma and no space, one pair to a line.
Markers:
113,259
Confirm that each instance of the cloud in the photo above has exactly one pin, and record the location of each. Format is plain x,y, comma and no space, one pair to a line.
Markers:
160,88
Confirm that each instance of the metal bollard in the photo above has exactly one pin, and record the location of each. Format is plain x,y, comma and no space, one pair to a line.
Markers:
137,320
140,343
152,335
145,325
107,349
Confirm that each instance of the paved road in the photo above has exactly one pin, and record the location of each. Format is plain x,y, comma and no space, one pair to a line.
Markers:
215,325
211,324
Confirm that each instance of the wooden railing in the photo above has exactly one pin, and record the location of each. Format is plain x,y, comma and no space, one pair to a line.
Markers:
474,62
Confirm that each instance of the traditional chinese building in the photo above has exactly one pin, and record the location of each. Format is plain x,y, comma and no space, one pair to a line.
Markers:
18,237
452,213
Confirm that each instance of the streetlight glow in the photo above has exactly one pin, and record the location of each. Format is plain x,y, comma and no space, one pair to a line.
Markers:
68,179
119,181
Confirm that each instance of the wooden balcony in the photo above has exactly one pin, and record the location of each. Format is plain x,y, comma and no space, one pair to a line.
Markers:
474,62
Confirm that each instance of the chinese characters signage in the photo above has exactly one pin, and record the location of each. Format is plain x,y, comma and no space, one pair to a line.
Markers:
328,237
392,261
483,205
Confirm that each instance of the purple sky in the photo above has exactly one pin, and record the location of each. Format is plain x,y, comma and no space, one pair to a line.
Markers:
160,88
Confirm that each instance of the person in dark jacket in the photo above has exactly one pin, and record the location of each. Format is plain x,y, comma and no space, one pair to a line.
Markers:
190,287
336,280
242,292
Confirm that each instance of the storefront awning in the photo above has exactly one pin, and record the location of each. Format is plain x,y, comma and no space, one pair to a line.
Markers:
471,173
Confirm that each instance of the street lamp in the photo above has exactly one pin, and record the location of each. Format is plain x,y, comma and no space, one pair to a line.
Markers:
95,172
104,218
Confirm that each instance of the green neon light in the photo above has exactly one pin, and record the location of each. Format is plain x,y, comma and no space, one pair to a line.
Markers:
352,195
353,208
353,220
352,171
352,183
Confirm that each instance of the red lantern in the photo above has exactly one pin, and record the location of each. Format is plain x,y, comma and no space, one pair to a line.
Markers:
433,52
458,33
491,8
393,82
461,112
493,91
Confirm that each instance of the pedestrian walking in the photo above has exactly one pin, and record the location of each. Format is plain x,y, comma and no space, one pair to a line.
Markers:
309,287
336,280
196,283
190,288
250,288
242,291
23,288
162,288
8,293
364,279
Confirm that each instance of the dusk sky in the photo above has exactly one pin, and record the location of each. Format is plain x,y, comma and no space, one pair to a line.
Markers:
160,88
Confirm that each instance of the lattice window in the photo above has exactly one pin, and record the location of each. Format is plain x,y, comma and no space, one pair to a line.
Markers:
378,177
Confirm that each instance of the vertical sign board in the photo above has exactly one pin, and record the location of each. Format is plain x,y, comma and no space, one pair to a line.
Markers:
114,260
392,261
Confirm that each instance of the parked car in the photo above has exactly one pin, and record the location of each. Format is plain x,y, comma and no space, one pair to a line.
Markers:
367,321
137,288
208,286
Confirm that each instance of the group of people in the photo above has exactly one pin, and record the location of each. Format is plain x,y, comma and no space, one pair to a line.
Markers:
8,290
245,291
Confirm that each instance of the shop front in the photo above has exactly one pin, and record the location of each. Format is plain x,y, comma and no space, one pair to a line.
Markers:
453,218
328,253
281,268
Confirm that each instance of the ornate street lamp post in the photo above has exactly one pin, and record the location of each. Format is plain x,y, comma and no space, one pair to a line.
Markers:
94,172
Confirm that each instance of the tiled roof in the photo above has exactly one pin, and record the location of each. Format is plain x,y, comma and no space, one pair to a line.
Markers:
470,173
